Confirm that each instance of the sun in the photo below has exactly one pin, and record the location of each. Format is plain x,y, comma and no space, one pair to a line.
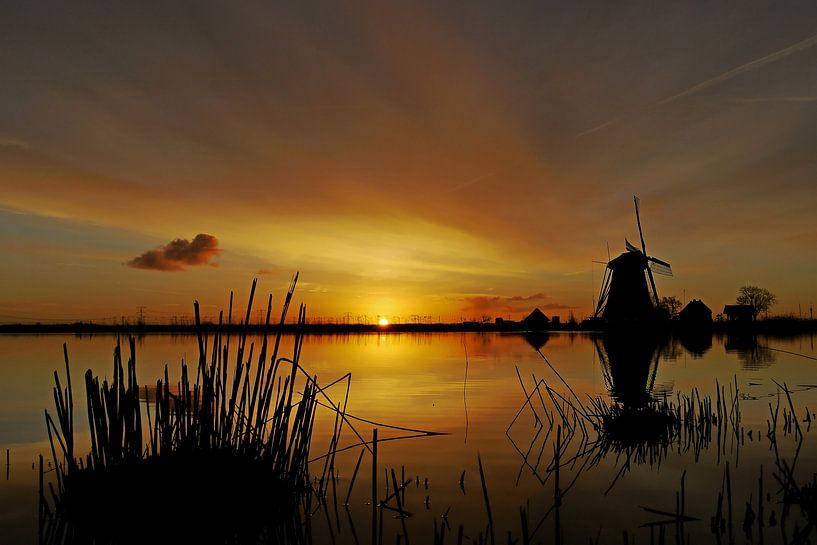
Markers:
382,322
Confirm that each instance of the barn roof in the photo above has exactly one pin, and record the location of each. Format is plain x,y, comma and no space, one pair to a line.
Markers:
536,316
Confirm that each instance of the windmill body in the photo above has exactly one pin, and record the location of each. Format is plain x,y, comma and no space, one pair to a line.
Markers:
629,296
628,293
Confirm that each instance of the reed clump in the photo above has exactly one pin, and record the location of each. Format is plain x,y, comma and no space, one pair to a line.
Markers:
645,432
623,426
221,455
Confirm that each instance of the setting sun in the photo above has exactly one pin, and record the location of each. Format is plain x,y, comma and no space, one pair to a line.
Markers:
382,322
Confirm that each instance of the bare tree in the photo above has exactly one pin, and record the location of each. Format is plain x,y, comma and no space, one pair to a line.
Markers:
760,299
671,304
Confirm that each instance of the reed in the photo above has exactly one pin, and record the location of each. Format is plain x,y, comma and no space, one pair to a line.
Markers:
222,453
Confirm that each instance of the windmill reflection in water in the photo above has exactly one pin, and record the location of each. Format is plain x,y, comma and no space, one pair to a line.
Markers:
636,423
635,418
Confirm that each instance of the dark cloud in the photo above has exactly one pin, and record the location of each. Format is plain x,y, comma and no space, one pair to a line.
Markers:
483,304
535,297
177,254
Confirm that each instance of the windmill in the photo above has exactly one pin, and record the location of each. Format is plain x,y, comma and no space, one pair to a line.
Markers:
625,295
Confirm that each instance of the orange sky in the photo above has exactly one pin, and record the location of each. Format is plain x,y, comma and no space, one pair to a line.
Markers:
434,159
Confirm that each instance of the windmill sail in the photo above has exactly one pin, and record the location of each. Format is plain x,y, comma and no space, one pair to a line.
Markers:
637,202
660,268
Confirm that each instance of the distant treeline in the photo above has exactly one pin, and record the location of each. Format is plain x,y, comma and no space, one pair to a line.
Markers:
86,327
772,325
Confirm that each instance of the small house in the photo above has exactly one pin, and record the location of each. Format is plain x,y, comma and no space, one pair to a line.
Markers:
695,313
739,313
536,320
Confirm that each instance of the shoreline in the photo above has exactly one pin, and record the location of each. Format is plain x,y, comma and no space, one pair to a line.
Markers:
778,326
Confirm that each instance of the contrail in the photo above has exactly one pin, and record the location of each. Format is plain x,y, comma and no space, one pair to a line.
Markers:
470,182
808,98
597,128
811,41
757,63
13,143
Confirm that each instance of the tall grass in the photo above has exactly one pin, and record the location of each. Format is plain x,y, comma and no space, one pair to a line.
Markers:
222,454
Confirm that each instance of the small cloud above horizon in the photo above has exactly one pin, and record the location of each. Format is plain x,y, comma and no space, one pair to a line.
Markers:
500,305
178,254
14,143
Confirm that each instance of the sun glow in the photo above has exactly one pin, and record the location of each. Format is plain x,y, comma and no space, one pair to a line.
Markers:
382,322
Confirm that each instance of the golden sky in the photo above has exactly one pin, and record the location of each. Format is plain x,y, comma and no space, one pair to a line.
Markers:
443,159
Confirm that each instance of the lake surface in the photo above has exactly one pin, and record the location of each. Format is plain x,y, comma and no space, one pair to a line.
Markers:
470,387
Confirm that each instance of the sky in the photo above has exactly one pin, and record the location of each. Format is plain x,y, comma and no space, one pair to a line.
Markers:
443,159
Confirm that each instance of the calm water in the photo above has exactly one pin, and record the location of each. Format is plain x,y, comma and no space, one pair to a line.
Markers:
419,381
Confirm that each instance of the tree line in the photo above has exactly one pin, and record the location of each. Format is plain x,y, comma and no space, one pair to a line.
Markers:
760,299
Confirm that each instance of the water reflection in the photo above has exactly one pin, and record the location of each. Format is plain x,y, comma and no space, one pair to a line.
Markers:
751,354
418,380
536,339
696,342
630,364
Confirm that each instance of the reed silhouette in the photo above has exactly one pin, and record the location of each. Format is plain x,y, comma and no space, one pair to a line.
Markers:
225,455
222,455
635,426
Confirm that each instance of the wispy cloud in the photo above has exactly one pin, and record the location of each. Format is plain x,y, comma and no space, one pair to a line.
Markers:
13,143
802,45
811,41
534,297
472,181
807,98
495,305
178,254
598,128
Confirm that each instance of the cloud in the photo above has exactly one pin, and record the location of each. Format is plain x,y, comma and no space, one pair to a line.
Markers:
802,45
535,297
264,272
471,182
177,254
500,305
811,41
806,98
598,127
13,143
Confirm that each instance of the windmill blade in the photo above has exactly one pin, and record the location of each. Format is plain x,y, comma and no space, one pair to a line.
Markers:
603,293
605,365
637,202
652,283
655,369
661,268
